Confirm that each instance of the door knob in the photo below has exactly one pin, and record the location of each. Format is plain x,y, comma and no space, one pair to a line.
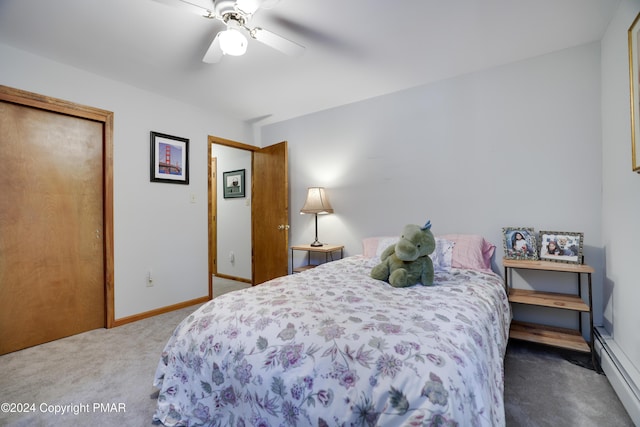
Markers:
283,227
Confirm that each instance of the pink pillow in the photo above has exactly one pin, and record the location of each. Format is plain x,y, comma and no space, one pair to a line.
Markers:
470,251
369,246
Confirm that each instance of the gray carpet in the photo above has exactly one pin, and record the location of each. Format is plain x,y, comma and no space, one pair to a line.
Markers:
114,369
551,387
105,366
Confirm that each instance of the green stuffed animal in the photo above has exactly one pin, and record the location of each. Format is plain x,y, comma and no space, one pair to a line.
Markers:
407,262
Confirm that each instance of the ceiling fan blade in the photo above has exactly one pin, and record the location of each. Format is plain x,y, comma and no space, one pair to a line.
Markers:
268,4
248,7
214,53
199,7
277,42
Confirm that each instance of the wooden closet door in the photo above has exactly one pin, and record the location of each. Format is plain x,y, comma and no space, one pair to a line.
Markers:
52,276
270,212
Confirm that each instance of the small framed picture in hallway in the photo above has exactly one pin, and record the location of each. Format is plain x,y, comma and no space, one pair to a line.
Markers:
233,183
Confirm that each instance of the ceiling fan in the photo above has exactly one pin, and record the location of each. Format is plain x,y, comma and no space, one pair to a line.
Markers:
236,14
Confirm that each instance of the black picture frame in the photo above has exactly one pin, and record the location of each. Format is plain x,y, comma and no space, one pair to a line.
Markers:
233,183
169,159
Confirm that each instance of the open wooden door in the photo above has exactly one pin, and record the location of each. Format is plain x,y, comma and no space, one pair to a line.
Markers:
270,213
269,210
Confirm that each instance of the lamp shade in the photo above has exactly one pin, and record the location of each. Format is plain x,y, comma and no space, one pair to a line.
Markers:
317,202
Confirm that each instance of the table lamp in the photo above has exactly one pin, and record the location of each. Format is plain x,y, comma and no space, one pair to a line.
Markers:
318,204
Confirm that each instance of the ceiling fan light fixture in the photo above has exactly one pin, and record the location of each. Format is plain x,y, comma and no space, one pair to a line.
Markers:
233,42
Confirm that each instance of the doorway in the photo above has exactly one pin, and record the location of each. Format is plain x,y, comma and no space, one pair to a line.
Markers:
269,195
56,222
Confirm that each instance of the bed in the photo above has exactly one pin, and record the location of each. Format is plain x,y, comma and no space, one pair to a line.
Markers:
334,347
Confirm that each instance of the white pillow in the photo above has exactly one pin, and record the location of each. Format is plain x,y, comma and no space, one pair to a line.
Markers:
384,243
441,256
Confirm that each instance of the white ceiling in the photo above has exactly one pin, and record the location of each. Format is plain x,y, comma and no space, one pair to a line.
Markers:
355,49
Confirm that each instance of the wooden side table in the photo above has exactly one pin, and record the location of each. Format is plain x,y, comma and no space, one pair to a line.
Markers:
327,250
544,334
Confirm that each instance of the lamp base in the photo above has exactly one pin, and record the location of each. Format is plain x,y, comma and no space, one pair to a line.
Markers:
316,243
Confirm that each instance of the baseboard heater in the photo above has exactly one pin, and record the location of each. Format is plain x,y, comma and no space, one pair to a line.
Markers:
622,375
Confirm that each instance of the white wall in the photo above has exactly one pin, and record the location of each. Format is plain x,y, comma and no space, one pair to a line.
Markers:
234,215
155,225
473,154
621,202
517,145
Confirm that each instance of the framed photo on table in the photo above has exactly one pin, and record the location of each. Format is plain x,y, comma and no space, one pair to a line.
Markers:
169,159
561,246
233,184
519,243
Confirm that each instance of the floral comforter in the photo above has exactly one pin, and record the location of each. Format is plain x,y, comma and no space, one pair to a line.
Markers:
334,347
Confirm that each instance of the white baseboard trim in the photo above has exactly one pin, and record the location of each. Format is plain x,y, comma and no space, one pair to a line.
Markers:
623,376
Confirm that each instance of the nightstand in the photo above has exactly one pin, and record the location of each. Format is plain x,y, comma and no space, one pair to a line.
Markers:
327,250
558,337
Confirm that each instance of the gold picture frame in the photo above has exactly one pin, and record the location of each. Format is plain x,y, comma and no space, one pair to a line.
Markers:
634,86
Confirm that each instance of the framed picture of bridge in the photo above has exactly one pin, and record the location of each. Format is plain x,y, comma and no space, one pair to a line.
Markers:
169,159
